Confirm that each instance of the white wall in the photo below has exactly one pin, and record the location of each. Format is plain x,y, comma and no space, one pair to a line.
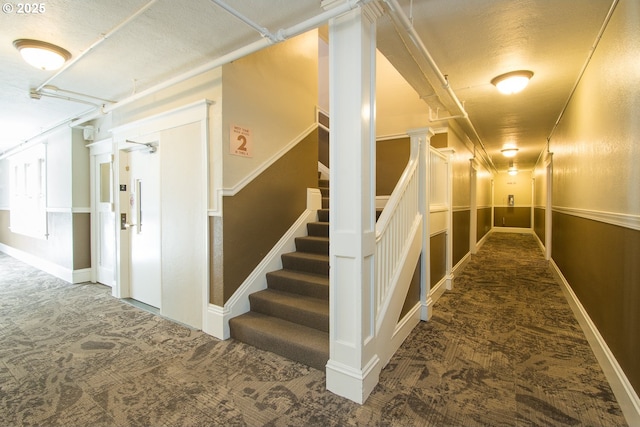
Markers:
4,184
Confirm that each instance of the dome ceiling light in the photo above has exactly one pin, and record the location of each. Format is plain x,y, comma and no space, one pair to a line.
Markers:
509,151
42,55
512,82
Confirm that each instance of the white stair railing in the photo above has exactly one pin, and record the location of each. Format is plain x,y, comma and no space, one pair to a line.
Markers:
398,247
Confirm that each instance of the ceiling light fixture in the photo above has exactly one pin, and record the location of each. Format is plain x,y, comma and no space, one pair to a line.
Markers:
512,169
42,55
512,82
509,151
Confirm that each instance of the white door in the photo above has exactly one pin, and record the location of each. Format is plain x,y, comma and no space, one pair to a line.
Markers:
105,221
144,226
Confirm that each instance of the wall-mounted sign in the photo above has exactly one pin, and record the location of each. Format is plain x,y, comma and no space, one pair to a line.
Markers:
240,143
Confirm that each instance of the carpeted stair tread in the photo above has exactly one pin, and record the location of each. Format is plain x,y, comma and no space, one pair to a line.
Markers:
296,342
313,244
309,262
313,285
300,309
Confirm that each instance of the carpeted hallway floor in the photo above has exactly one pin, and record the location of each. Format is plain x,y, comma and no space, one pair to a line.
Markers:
502,349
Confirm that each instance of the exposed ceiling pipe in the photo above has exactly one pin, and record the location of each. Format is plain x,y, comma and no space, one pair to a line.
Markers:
264,32
405,27
281,35
104,37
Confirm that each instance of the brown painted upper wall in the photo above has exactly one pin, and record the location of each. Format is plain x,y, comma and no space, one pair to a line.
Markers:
391,160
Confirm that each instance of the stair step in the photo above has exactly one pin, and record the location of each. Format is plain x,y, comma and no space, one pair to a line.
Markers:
313,244
300,309
325,203
307,262
296,342
318,229
323,183
324,191
296,282
323,215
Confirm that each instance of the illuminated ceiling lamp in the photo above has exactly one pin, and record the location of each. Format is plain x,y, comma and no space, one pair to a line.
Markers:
512,82
512,169
509,151
42,55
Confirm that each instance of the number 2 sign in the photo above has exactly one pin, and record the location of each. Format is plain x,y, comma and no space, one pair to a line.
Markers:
240,142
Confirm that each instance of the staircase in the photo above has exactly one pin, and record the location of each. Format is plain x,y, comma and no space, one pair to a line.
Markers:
291,316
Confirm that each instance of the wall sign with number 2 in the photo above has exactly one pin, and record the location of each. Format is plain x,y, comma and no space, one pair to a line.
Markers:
240,142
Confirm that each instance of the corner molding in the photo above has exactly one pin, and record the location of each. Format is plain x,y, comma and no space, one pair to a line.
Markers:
622,388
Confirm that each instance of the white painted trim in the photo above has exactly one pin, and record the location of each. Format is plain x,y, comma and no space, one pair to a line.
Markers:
182,115
437,291
216,320
483,240
457,269
324,171
66,274
512,230
391,137
613,218
69,210
232,191
381,201
354,384
625,394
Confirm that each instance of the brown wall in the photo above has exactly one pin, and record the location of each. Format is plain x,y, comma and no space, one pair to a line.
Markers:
438,249
413,294
257,217
539,223
391,160
81,241
512,216
483,223
461,230
600,262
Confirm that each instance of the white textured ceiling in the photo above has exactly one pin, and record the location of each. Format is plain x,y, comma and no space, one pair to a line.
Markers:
471,42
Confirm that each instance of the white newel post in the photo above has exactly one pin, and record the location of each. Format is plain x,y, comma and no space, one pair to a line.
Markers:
422,139
354,367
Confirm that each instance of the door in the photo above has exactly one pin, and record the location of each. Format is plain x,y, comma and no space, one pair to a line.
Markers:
105,223
144,226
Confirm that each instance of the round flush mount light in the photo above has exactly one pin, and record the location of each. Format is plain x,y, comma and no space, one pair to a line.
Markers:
509,151
42,55
512,82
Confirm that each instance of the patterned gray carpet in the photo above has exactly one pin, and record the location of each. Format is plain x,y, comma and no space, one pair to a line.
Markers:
502,349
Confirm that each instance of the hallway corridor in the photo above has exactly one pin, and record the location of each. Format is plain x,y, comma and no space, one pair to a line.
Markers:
502,349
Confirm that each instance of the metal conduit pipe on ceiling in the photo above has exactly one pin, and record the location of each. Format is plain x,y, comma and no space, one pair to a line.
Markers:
280,35
103,38
404,26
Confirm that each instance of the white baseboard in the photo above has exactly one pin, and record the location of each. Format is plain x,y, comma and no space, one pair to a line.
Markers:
66,274
354,384
625,394
512,230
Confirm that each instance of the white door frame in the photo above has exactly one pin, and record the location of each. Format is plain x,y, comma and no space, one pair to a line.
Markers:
99,148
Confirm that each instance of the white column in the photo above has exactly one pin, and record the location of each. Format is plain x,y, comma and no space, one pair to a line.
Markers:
353,368
422,138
